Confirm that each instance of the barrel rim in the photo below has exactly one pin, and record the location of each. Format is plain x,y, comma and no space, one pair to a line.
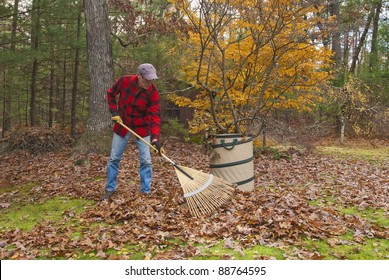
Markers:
234,143
231,135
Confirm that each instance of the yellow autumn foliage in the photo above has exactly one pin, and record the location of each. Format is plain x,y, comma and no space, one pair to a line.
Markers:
249,57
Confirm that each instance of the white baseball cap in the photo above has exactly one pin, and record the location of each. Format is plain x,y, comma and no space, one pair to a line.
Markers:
147,71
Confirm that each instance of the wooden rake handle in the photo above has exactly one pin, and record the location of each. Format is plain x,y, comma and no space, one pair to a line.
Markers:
155,149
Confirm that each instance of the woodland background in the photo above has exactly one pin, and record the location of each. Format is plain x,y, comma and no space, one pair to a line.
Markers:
44,65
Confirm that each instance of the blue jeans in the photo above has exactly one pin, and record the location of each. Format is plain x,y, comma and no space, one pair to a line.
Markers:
118,146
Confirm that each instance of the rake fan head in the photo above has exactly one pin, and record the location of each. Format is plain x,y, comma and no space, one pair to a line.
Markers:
203,192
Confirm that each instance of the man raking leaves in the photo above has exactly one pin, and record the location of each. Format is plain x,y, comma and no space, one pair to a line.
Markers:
134,101
203,192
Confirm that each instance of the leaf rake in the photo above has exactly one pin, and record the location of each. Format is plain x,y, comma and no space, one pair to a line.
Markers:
203,192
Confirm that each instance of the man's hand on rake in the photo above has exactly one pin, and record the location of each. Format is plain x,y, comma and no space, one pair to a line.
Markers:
158,147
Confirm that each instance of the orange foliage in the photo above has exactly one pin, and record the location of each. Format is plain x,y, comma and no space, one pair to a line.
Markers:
249,57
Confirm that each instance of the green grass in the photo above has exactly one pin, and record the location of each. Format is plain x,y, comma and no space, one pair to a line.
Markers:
344,247
219,252
377,155
19,190
27,216
373,215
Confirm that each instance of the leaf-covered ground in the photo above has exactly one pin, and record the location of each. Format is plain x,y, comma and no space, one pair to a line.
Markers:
303,205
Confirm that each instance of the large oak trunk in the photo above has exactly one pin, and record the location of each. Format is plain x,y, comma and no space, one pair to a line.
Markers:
98,130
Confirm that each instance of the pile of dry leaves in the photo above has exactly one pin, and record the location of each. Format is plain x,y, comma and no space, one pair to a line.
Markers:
290,202
39,140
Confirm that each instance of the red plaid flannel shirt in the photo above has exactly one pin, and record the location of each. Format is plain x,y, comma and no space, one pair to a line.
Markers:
138,108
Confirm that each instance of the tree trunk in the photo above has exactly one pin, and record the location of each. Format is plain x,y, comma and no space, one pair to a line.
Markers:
101,77
342,127
26,105
8,97
374,40
362,40
75,79
51,98
57,91
335,11
34,46
64,93
4,105
346,51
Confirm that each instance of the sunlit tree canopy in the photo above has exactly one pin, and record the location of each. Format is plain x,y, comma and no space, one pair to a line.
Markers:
248,57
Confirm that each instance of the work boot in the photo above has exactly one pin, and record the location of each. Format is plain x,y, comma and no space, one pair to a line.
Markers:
107,195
